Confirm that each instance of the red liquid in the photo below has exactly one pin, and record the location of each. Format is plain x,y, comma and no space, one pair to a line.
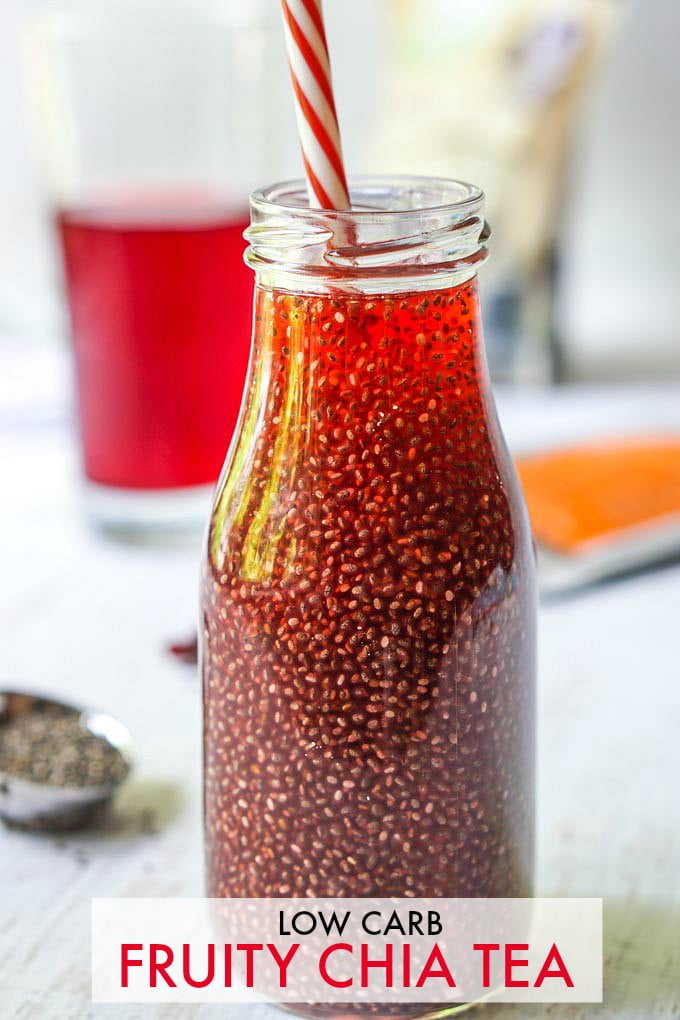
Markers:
368,614
161,315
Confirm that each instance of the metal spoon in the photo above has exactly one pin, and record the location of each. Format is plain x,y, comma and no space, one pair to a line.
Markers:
40,806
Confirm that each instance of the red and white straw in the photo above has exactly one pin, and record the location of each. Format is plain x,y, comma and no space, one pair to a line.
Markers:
310,71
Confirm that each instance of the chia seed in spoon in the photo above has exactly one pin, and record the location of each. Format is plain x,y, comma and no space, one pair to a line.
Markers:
58,751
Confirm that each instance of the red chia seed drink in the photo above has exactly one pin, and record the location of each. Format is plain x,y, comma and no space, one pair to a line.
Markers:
368,596
161,308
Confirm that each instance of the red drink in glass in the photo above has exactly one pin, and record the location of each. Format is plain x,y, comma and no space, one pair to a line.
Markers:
368,650
367,607
150,210
161,306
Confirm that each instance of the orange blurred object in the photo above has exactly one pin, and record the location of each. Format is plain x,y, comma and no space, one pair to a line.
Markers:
583,496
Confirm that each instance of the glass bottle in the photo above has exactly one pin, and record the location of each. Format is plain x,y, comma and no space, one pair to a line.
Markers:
368,596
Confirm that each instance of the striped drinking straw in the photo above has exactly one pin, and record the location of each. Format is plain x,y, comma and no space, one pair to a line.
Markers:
310,71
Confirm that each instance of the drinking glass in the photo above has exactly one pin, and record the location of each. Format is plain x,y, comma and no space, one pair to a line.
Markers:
152,125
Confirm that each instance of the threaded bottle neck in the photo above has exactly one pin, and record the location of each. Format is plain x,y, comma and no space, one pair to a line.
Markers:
402,234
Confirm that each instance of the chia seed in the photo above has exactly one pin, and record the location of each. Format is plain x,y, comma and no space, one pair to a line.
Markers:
58,751
368,615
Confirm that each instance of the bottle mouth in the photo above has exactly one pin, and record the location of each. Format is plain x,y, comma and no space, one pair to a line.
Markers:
401,228
375,197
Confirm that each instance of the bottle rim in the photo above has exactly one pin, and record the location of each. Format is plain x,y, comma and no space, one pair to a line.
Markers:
402,231
369,191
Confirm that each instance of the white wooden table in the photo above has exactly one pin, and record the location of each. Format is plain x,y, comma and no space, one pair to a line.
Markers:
89,620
